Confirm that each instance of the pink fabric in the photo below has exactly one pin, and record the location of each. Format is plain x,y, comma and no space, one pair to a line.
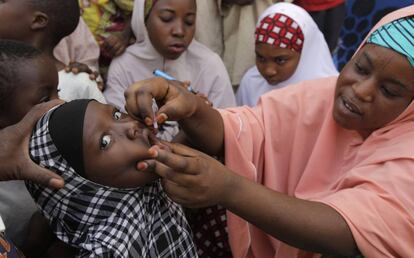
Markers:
291,144
80,46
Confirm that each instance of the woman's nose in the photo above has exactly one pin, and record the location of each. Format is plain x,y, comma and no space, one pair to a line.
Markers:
364,90
178,29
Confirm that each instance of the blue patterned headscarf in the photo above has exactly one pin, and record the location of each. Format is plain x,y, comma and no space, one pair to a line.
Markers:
398,36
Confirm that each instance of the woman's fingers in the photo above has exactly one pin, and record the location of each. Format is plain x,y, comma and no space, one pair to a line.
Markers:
186,164
153,166
139,98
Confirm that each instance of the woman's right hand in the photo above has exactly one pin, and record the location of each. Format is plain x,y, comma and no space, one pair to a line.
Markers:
175,102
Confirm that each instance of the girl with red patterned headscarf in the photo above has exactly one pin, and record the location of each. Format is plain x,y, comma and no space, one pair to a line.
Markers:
289,48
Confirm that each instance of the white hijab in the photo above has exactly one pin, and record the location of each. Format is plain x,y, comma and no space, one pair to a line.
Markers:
198,64
315,60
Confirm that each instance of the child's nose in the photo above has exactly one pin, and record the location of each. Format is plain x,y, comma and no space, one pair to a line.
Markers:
131,129
270,70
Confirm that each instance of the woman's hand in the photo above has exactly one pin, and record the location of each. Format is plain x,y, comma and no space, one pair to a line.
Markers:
196,117
175,102
15,162
190,177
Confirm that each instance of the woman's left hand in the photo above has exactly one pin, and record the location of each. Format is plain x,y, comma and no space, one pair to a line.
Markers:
190,178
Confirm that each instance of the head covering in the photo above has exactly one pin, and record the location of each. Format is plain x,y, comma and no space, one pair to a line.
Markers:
198,64
66,130
149,4
280,30
367,181
103,221
315,60
398,36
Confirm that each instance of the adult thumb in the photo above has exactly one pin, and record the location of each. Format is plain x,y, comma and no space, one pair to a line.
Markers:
33,172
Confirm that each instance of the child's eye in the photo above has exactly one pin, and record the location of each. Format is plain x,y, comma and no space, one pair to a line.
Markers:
117,115
105,142
44,99
280,61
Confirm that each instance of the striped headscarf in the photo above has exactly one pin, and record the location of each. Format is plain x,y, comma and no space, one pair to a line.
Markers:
398,36
149,4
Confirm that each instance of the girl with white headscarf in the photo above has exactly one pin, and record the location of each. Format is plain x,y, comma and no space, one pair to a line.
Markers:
287,26
197,64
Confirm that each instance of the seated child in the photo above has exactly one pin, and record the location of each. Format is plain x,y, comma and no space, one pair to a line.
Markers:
27,77
289,48
46,24
107,207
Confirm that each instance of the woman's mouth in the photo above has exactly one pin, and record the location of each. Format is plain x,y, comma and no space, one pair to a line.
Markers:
177,48
352,107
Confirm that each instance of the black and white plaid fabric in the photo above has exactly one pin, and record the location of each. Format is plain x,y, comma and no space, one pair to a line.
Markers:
103,221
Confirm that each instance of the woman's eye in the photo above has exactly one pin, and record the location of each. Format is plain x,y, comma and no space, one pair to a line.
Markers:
389,93
117,115
360,69
166,18
105,142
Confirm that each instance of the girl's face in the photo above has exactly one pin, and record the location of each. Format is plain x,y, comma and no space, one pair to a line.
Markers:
171,26
276,64
373,89
113,144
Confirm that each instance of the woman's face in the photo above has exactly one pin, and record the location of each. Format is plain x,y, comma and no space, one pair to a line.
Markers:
171,26
276,64
113,144
374,88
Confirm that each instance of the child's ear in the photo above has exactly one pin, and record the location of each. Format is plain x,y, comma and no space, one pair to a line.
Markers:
40,21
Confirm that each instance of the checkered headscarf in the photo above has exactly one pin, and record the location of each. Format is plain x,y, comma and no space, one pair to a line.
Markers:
281,31
103,221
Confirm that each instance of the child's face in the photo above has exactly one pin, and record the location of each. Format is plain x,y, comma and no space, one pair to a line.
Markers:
171,26
113,144
15,16
37,83
276,64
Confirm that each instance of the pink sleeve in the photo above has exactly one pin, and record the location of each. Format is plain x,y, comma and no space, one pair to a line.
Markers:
80,46
243,142
378,206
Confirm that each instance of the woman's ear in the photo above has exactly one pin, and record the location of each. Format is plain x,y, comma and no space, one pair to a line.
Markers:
40,21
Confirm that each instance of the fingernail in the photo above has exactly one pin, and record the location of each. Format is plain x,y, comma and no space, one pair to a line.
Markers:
162,118
153,152
148,121
142,166
56,183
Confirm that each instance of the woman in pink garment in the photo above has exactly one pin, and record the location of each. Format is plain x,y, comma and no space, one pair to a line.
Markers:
323,167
